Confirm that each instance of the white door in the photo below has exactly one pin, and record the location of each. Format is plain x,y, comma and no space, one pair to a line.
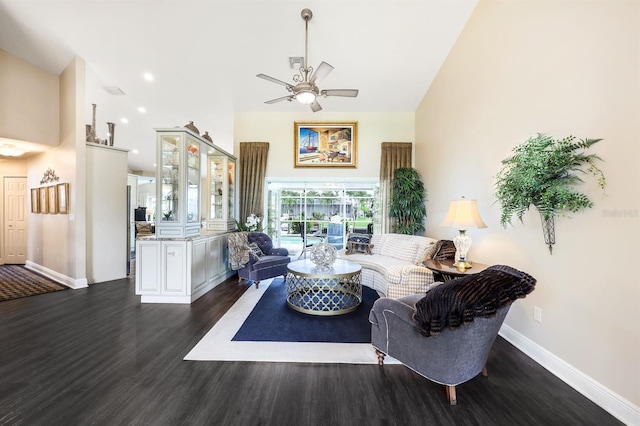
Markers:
15,220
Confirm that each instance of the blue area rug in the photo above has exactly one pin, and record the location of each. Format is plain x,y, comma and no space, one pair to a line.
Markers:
272,320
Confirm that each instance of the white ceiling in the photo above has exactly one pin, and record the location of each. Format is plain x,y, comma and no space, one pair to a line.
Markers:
205,54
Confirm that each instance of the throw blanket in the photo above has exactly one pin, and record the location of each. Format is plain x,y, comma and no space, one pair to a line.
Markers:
238,250
459,301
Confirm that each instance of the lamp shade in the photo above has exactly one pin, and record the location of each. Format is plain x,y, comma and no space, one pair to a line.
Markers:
463,214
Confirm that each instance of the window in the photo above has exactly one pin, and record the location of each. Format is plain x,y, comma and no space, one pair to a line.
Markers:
300,214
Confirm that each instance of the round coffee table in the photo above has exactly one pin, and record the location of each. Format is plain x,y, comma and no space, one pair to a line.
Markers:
314,290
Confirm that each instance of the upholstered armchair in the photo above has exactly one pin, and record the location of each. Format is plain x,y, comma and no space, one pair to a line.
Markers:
446,335
252,254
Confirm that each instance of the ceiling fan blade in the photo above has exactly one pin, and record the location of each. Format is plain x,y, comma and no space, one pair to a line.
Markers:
321,72
315,106
284,98
275,80
349,93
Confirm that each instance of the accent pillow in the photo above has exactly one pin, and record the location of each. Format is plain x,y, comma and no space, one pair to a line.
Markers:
427,253
359,238
356,247
441,250
255,251
143,229
446,251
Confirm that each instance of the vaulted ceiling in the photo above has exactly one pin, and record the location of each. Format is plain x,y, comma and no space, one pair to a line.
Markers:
204,55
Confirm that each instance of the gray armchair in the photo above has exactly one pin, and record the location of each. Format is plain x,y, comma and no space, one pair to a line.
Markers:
446,335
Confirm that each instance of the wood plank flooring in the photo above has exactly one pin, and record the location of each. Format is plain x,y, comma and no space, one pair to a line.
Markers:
97,356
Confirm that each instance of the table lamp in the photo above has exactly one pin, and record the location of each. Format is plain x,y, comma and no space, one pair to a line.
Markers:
463,214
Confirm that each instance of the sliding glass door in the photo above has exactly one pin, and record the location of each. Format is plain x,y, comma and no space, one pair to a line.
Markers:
300,214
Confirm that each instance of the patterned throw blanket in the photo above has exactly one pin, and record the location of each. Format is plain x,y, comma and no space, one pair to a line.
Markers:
459,301
238,250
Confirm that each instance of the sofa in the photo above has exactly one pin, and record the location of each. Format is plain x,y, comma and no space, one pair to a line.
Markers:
394,267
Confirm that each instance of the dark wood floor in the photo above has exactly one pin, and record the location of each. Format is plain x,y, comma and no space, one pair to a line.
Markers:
98,356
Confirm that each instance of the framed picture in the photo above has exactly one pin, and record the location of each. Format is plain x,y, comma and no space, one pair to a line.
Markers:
53,199
63,197
325,144
44,201
35,200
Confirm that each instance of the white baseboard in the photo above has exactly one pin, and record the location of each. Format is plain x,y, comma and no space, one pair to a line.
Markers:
56,276
613,403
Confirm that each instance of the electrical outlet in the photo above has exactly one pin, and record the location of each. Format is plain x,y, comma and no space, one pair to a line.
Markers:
537,314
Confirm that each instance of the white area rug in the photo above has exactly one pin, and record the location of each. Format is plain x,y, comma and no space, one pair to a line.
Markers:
217,345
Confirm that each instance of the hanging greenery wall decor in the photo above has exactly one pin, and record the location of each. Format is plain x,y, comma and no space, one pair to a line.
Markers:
407,201
543,172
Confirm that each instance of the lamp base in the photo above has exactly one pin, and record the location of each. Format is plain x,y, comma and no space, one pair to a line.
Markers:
462,264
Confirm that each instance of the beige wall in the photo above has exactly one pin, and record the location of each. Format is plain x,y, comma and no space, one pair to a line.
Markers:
58,242
29,101
277,129
562,68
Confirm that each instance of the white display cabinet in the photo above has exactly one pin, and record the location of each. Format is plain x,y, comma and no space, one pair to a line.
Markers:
180,270
178,183
221,192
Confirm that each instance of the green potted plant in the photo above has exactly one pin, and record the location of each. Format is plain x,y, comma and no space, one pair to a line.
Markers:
408,196
543,172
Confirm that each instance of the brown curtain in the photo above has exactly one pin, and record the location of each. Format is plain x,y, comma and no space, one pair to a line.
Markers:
253,169
393,156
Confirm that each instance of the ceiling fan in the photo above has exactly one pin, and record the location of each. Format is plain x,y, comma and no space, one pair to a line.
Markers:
306,91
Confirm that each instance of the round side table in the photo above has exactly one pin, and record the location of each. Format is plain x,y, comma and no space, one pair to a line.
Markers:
450,272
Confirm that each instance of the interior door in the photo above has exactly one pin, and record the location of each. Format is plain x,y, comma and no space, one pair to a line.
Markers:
15,220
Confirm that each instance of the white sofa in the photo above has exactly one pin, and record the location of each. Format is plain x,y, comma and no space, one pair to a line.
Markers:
395,266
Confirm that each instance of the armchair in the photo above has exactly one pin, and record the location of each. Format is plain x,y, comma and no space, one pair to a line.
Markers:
252,254
446,335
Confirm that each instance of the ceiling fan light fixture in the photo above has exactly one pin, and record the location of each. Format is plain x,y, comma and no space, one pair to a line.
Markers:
306,97
306,90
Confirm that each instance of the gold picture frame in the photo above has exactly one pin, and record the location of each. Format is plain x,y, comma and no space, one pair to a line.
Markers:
325,144
52,196
35,200
63,197
44,200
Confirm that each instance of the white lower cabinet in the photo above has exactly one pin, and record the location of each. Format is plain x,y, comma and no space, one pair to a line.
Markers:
180,270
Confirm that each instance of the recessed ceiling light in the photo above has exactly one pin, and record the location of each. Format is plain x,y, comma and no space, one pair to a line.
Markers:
148,76
124,120
135,151
142,110
154,164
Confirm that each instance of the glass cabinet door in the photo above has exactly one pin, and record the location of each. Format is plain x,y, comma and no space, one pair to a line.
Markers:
222,199
231,211
170,157
216,185
193,181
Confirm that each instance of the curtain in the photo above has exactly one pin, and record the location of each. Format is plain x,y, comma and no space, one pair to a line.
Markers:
393,156
253,169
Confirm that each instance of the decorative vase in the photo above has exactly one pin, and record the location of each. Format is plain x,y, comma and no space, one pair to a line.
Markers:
112,129
549,231
323,254
91,130
207,137
192,127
